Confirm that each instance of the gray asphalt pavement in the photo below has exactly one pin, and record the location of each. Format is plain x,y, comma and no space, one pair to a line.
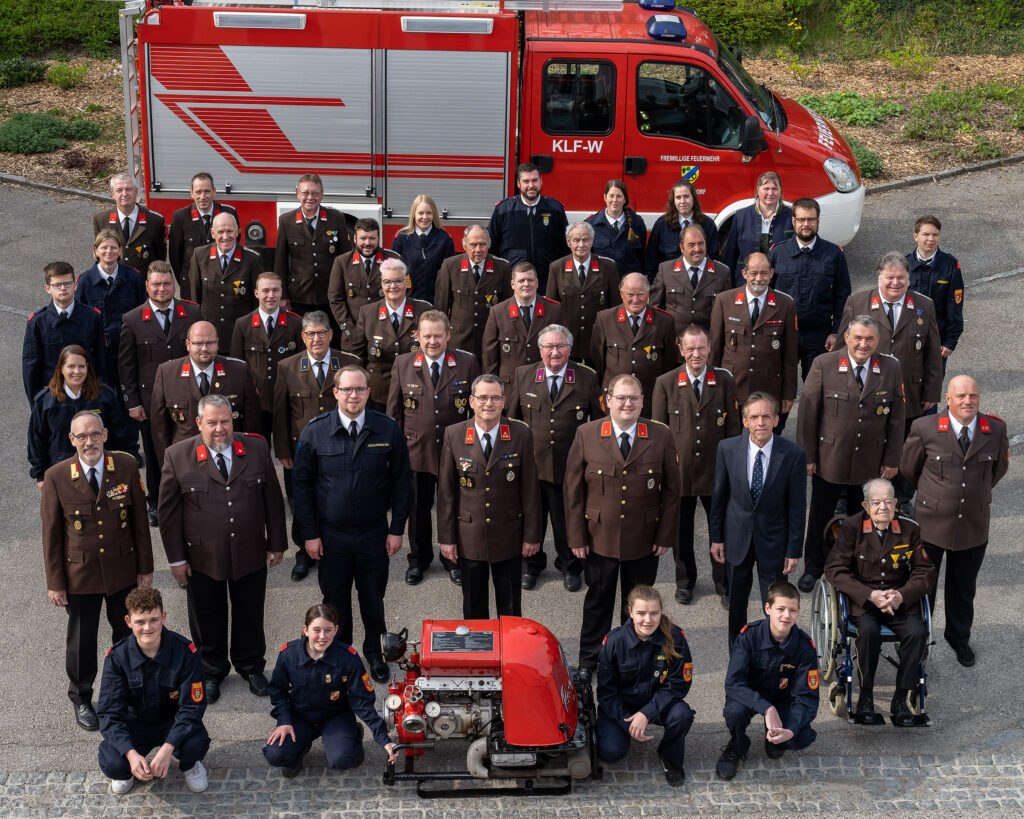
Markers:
976,711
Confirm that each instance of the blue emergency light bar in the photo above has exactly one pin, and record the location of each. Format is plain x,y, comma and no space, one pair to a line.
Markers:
666,27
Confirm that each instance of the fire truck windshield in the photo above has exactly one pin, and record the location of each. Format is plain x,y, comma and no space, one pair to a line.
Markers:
758,97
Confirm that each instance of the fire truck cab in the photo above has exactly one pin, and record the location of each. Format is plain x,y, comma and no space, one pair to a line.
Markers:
447,98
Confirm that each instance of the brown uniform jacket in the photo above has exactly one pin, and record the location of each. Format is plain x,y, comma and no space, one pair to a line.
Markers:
673,292
262,353
507,344
377,346
176,399
146,244
581,304
186,233
298,398
848,432
554,423
468,302
350,287
622,509
224,529
697,426
650,353
304,262
761,358
861,563
95,544
954,491
424,411
915,343
224,295
144,347
489,508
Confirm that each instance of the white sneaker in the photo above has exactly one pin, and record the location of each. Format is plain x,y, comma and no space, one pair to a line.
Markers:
119,787
196,778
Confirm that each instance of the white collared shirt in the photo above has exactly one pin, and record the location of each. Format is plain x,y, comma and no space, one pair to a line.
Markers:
398,311
752,450
346,422
133,217
617,432
493,432
576,265
801,245
921,258
421,232
265,316
751,298
956,425
69,394
531,305
226,452
697,379
613,221
311,221
897,308
98,466
196,371
156,311
529,205
104,276
69,309
229,255
560,375
689,220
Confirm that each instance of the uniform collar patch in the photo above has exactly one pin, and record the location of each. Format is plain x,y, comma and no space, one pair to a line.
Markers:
239,448
201,453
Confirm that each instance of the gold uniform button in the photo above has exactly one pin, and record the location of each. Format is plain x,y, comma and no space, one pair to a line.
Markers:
101,551
487,506
487,520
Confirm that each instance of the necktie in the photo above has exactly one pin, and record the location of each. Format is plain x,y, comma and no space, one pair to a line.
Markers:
554,387
757,479
208,222
368,264
618,225
684,225
889,312
487,446
636,324
582,274
204,383
395,322
858,373
755,311
476,272
93,482
320,373
624,447
309,224
109,282
696,388
222,465
63,314
965,439
126,228
353,431
526,315
224,262
805,250
531,215
166,314
435,373
694,278
270,325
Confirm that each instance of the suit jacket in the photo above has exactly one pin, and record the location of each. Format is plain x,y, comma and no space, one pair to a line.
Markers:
176,395
468,302
508,344
425,411
697,426
377,346
95,544
224,295
673,292
622,508
915,342
774,526
554,423
650,353
262,353
861,563
304,262
298,398
762,357
350,287
490,508
186,233
144,347
145,245
223,528
954,490
581,304
848,432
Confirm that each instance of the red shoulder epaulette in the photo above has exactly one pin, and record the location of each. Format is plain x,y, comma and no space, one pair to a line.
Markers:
284,646
108,651
97,311
192,647
744,628
605,640
351,650
253,435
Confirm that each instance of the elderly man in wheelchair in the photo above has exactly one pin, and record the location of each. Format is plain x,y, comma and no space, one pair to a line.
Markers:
881,574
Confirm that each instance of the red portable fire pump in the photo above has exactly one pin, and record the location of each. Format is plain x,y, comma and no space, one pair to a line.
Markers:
505,688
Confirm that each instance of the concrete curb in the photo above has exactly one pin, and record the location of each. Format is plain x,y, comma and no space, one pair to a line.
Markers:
951,172
21,180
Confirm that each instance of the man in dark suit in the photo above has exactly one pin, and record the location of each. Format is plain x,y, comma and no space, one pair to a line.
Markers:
758,506
142,228
192,227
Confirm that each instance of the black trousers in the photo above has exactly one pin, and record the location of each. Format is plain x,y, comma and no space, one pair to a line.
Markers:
599,604
962,568
146,737
913,636
904,490
738,717
741,580
686,559
508,593
152,465
83,632
552,505
824,497
359,557
809,345
421,532
208,622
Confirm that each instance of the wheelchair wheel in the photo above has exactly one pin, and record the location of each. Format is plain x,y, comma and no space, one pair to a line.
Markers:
837,699
825,627
831,534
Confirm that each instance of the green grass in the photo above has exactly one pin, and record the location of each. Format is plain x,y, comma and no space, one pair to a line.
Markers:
948,111
851,108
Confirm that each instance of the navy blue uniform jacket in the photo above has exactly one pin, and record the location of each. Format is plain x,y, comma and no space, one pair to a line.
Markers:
127,291
745,237
943,283
423,256
628,255
818,281
663,243
515,239
46,334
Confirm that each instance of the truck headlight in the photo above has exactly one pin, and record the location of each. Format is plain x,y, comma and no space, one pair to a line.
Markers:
841,174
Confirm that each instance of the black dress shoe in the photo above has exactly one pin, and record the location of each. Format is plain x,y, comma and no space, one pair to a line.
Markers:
773,751
414,576
806,583
728,762
584,675
572,582
291,773
257,683
379,671
456,576
865,713
674,776
86,718
684,596
900,709
153,520
303,563
724,600
529,581
964,654
212,688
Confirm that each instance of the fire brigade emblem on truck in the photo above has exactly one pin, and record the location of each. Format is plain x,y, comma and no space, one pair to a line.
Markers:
689,173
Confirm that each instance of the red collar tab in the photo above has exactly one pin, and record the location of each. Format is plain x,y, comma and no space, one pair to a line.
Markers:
641,430
213,252
594,266
876,366
513,309
648,316
470,435
450,360
239,448
218,370
201,453
142,216
465,266
382,314
113,217
570,265
621,317
709,378
844,365
408,311
322,214
868,525
256,319
179,311
909,302
378,257
299,217
741,297
895,526
282,318
683,380
606,429
418,361
679,265
538,308
770,299
504,433
944,424
186,368
195,214
876,302
983,424
238,254
147,314
540,375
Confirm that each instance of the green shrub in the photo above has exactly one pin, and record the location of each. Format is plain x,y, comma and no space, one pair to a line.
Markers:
27,133
851,108
29,27
858,16
82,129
868,161
914,59
67,76
745,22
984,148
17,71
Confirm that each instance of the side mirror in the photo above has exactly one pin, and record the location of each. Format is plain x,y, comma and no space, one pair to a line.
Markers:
753,137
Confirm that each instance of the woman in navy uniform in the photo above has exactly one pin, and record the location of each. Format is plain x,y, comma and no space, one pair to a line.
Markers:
317,685
619,231
423,245
74,387
643,675
681,210
756,228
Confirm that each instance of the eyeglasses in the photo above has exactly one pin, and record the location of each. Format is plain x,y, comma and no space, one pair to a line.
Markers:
875,504
633,294
550,347
351,390
806,221
87,436
628,399
488,399
392,282
202,344
61,285
316,333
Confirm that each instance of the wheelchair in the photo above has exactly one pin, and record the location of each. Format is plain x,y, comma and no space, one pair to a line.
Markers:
833,634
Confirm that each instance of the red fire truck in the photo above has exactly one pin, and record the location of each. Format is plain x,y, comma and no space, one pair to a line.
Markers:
446,98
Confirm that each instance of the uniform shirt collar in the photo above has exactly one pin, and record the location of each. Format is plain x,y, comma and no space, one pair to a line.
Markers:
957,426
691,219
617,432
69,309
104,276
611,219
493,432
658,638
98,466
330,656
229,254
901,301
134,215
586,263
226,452
431,361
346,422
528,205
751,298
560,373
400,310
522,306
421,232
699,376
196,370
136,657
265,316
929,260
800,245
69,394
155,309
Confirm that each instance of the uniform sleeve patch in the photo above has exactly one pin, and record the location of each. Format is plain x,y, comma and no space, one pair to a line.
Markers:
366,682
197,692
812,679
687,672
